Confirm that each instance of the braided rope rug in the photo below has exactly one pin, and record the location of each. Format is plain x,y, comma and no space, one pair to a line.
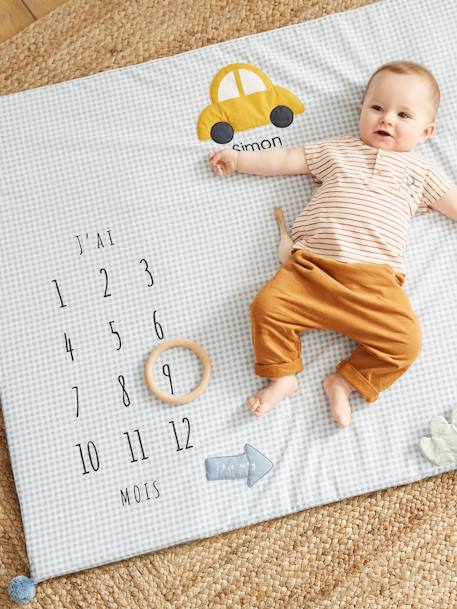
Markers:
389,549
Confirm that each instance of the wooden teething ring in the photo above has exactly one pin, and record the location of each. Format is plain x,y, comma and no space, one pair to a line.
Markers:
149,369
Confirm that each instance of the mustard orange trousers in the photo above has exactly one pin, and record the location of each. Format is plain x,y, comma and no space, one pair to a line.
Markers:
365,302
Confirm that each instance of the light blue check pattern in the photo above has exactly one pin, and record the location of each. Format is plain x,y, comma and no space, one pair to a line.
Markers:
118,152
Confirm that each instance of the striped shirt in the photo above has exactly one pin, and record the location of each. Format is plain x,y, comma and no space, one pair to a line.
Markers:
363,201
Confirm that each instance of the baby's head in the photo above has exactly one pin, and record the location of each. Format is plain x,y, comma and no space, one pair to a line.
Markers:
401,99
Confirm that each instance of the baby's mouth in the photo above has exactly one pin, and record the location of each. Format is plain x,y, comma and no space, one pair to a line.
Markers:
384,133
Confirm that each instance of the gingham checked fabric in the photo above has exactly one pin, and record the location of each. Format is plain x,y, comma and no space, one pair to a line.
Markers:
116,235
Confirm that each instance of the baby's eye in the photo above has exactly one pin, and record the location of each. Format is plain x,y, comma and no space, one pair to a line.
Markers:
404,113
376,107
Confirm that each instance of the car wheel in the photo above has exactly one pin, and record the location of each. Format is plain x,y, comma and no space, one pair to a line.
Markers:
221,133
281,116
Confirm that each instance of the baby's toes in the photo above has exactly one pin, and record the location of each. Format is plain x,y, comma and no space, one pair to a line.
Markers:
253,403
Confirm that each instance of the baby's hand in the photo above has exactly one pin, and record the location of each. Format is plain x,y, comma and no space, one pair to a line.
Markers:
224,162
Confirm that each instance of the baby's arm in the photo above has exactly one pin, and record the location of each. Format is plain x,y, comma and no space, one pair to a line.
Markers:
274,161
447,205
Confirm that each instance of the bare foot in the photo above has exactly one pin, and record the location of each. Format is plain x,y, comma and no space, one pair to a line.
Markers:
266,399
338,389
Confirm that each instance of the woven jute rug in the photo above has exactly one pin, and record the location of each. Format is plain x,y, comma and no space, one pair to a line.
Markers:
390,549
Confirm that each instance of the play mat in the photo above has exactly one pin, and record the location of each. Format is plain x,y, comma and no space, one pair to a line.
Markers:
117,235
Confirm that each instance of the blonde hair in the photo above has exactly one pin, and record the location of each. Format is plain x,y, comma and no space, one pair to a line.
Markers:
409,67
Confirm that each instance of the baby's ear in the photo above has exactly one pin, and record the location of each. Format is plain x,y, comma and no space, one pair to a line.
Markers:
359,107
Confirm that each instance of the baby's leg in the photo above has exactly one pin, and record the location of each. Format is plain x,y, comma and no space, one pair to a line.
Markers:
266,399
282,309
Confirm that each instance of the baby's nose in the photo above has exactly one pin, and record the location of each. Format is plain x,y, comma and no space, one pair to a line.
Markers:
388,119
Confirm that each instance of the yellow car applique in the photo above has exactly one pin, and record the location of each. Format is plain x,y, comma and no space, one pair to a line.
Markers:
243,97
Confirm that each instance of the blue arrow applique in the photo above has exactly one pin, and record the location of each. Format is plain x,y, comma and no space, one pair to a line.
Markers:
251,465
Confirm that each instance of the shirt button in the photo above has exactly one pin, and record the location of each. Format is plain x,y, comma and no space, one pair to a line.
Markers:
377,171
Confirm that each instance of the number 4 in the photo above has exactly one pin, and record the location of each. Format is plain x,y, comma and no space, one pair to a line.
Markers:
68,346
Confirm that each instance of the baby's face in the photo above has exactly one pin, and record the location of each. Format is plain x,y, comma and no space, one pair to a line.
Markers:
400,105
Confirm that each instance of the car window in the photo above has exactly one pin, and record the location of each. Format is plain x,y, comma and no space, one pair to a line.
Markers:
251,82
227,87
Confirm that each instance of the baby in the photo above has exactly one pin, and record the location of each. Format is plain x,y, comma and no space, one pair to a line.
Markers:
346,271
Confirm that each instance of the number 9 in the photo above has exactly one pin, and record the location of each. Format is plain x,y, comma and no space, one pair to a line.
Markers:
152,358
